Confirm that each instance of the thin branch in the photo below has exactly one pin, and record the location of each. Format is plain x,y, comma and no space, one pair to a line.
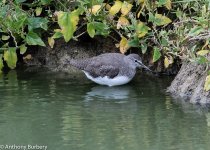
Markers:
143,5
206,69
63,5
117,32
156,38
3,48
14,39
114,38
201,36
80,35
82,25
185,21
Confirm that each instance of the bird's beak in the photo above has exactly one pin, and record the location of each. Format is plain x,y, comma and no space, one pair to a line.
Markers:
141,65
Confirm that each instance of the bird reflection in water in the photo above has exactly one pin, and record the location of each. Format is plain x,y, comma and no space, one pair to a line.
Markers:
120,93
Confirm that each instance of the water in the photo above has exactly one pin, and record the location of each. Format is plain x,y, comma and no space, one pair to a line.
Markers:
66,112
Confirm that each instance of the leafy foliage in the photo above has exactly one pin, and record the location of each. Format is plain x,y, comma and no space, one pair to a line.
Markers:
167,29
68,23
207,83
156,54
33,38
10,57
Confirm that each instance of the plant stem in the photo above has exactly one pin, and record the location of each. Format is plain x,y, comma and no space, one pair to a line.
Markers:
14,39
63,5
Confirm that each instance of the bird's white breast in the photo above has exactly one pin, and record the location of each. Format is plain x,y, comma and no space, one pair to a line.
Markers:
118,80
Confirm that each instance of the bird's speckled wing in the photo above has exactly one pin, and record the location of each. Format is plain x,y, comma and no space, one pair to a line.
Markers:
103,65
98,69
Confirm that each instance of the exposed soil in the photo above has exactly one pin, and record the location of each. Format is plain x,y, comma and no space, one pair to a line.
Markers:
189,82
84,48
52,57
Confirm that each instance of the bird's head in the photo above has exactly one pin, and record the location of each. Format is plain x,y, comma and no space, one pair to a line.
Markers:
136,62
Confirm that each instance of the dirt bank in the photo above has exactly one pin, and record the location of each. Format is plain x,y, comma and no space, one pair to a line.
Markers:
52,57
87,47
189,82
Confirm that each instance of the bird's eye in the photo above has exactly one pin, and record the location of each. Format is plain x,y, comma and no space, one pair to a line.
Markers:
136,60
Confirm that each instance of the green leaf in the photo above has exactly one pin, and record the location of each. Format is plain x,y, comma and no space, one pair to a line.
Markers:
166,62
4,37
33,39
207,83
20,1
167,3
91,29
151,17
68,23
125,8
143,48
202,52
18,24
141,29
14,21
179,13
51,42
202,60
45,2
161,20
38,11
23,49
164,41
37,22
195,31
133,43
156,54
115,8
1,63
6,45
101,28
10,57
57,35
161,2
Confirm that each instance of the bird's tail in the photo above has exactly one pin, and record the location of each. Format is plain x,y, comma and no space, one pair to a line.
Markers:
80,64
65,60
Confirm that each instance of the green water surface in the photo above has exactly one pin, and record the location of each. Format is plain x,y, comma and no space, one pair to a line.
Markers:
66,112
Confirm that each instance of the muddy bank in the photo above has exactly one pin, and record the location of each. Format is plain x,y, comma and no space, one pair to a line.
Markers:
51,58
86,47
189,82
